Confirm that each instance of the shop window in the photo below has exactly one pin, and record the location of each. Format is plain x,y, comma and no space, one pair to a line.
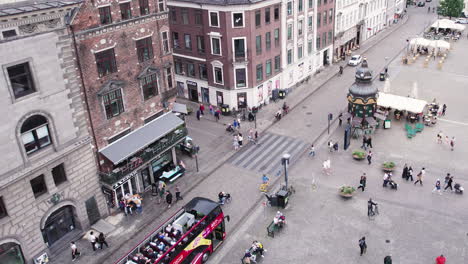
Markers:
144,7
214,21
258,44
277,63
238,19
144,49
185,16
215,46
267,16
188,41
3,211
21,80
125,11
59,175
198,18
259,72
175,40
105,62
105,15
289,8
268,40
276,13
268,68
165,42
203,71
38,186
119,136
149,85
113,103
201,44
258,18
241,77
35,134
218,73
161,6
11,253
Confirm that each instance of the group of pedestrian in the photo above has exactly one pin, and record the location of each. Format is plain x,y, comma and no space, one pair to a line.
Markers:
407,173
215,112
238,139
449,141
96,243
130,203
366,142
332,146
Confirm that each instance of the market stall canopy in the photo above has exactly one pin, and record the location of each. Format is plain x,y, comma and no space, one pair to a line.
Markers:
179,108
440,44
401,103
447,23
141,138
420,42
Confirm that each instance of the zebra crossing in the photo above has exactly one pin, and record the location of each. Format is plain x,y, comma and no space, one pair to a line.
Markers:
265,157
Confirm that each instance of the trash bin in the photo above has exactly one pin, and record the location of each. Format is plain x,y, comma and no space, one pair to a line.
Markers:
282,94
225,110
274,95
382,76
387,124
282,198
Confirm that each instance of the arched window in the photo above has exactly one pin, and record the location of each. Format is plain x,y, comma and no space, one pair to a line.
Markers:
35,134
11,253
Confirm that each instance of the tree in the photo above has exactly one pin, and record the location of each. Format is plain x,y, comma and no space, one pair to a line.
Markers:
451,8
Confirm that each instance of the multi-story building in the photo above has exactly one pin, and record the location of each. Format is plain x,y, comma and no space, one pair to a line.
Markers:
374,17
298,51
347,28
391,12
226,52
49,192
123,51
325,15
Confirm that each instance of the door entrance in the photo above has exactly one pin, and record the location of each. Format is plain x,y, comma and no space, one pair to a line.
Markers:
325,57
193,91
59,224
92,210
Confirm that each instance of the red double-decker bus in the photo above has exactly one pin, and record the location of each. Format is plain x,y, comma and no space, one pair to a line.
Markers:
187,237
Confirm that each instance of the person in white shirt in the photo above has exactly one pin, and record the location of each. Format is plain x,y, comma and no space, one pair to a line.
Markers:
92,239
75,252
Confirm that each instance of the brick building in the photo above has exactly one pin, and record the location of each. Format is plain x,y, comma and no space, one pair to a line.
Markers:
125,59
49,193
226,52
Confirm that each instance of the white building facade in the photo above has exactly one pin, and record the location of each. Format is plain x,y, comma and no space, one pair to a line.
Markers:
374,17
347,30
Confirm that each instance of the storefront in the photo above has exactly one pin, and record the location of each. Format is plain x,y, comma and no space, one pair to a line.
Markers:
137,160
11,253
205,95
192,90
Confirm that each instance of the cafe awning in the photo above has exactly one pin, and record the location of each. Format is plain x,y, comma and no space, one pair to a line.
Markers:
179,108
141,138
401,103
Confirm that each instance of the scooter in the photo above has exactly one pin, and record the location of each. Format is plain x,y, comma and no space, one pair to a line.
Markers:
458,188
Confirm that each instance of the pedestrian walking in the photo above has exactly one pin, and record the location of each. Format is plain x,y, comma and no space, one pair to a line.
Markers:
177,193
75,252
169,199
327,166
235,142
139,206
386,179
217,114
364,142
235,124
370,207
363,245
330,145
449,182
240,139
437,187
362,182
452,143
440,259
447,140
256,136
211,109
102,241
312,151
202,109
439,137
335,146
410,174
420,177
238,122
161,190
404,175
387,260
369,142
444,108
340,119
369,157
198,115
92,239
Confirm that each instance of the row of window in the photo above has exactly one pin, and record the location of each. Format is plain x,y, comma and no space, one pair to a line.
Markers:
258,41
300,52
106,63
258,16
260,74
322,41
300,27
105,13
326,19
38,185
300,5
190,69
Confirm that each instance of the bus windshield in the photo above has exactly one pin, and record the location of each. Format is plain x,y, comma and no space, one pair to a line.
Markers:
187,237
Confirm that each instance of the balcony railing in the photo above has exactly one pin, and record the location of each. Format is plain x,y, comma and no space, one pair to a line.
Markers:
144,155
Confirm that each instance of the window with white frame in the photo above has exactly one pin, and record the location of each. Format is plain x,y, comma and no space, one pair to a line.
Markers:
216,46
310,47
165,42
35,133
268,68
290,28
300,24
238,19
310,22
218,74
161,6
290,56
241,77
214,19
299,52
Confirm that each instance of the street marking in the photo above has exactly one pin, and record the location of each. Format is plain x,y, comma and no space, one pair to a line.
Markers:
454,122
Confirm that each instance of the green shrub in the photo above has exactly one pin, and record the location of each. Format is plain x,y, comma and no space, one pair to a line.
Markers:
389,165
359,154
347,189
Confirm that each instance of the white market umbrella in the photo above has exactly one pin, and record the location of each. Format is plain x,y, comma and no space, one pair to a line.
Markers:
414,90
386,88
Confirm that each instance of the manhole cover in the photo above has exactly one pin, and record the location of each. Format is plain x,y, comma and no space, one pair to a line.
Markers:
387,241
308,113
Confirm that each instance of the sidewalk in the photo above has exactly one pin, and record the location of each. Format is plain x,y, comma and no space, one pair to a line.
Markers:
216,148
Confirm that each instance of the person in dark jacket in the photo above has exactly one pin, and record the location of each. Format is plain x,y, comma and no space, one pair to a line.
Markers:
168,199
404,175
362,182
387,260
102,241
363,245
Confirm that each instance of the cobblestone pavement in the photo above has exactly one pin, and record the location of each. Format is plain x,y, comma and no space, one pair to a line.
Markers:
216,174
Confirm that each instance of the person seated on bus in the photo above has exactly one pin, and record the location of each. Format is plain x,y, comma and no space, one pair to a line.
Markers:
161,246
176,234
169,228
151,254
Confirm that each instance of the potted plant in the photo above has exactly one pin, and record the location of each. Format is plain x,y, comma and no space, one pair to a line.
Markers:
359,155
388,166
347,191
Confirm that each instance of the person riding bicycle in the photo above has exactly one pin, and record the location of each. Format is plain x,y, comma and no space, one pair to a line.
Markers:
222,196
341,70
279,114
285,108
370,207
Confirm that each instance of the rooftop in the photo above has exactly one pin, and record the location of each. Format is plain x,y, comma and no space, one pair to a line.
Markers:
19,7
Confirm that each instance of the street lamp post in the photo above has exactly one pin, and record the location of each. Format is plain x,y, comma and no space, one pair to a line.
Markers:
285,162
